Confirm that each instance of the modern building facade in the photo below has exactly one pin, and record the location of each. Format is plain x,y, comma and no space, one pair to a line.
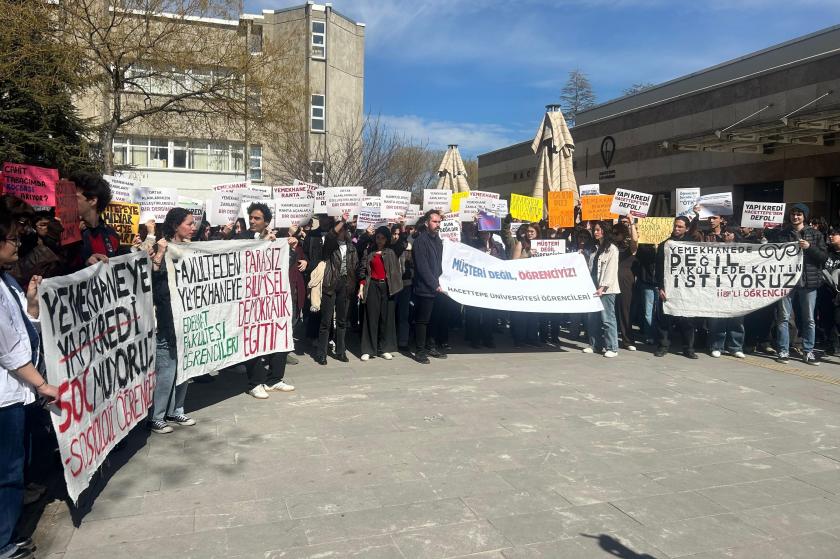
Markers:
766,126
330,60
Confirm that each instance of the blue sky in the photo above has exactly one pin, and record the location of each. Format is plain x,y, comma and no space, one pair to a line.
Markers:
479,73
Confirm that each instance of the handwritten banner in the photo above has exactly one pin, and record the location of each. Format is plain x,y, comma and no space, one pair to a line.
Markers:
124,217
597,208
450,229
98,330
526,208
654,230
34,185
67,210
561,209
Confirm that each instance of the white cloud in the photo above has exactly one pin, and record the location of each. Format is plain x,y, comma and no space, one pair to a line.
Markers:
472,138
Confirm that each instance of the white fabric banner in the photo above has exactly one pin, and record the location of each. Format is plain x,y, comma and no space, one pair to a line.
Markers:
630,202
763,214
721,280
98,333
552,284
230,302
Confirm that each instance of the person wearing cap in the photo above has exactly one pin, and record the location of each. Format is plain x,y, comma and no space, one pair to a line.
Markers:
684,324
804,295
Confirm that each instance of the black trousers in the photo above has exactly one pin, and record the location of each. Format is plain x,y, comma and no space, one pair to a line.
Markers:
334,302
403,299
525,327
268,369
685,326
480,324
379,332
430,318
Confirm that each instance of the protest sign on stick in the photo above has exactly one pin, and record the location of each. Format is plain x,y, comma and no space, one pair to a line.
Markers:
597,208
437,199
526,208
654,230
370,214
293,209
34,185
499,208
155,203
343,200
471,206
98,333
394,203
195,207
124,217
67,211
686,200
630,202
763,214
561,209
413,214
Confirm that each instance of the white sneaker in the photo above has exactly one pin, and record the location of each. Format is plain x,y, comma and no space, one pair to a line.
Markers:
588,350
281,387
387,356
739,355
715,353
259,392
631,348
610,354
365,357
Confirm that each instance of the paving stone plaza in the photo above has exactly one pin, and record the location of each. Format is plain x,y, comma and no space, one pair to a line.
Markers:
505,455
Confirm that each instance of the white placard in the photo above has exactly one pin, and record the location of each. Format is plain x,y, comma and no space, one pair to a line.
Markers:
630,202
155,203
589,189
715,204
437,199
686,200
763,214
320,194
344,200
499,208
370,214
293,208
450,229
413,214
248,196
195,206
122,189
548,247
223,206
470,207
394,203
293,191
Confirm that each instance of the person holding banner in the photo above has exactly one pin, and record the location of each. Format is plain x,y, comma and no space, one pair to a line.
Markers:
338,286
603,265
380,281
99,240
525,325
481,323
626,238
665,322
20,381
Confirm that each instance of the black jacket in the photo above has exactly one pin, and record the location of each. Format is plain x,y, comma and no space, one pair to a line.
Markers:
814,256
163,308
428,255
332,256
393,272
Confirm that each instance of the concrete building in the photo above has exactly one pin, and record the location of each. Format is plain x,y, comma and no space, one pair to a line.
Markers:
765,126
328,55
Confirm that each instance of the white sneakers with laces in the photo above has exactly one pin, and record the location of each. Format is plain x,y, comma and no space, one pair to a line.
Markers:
365,357
610,354
387,356
588,350
715,354
259,392
281,387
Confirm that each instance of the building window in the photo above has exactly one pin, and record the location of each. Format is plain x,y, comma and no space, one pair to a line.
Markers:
319,39
255,163
158,153
256,39
317,114
316,171
120,151
180,151
196,155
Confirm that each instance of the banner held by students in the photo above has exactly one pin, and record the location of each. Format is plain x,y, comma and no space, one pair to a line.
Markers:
230,302
450,229
292,207
155,203
194,206
763,214
723,280
67,210
552,284
394,203
654,230
122,189
98,332
547,247
34,185
630,202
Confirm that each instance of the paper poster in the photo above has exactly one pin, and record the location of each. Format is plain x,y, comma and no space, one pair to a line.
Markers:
370,216
122,189
292,209
413,214
437,199
499,208
155,203
763,214
589,189
344,200
124,217
686,200
34,185
225,204
457,198
654,230
98,334
297,190
597,208
561,209
548,247
230,302
630,202
470,208
489,222
394,203
450,229
514,227
320,207
195,207
67,211
248,196
723,280
715,204
526,208
551,284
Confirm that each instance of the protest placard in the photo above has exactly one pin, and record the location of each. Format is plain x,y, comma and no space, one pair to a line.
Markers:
499,208
98,334
320,207
230,302
763,214
195,207
67,211
597,208
514,227
437,199
721,280
122,189
630,202
248,196
413,214
124,217
450,229
471,206
34,185
292,209
370,214
589,189
686,200
715,204
561,209
297,190
654,230
526,208
547,247
343,200
225,204
155,202
552,284
456,200
394,203
489,222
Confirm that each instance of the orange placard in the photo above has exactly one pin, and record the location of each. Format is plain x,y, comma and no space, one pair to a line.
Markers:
597,208
561,209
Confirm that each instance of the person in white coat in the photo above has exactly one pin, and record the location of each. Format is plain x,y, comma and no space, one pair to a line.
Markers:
602,326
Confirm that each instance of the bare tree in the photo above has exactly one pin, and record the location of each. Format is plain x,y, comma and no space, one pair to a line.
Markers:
637,87
576,95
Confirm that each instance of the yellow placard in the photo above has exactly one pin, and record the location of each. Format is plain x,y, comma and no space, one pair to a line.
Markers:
561,209
654,230
526,208
597,208
457,197
124,217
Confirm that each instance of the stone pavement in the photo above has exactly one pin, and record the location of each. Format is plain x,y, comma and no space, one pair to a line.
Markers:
487,455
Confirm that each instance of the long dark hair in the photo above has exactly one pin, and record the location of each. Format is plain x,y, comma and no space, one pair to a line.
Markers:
174,218
607,239
522,235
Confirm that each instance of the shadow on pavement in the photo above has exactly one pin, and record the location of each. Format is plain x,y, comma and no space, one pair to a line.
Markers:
617,549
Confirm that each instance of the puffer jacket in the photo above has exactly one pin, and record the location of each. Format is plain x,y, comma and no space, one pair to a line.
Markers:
814,256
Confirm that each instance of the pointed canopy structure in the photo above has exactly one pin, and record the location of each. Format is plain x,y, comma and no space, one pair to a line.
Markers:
451,174
554,147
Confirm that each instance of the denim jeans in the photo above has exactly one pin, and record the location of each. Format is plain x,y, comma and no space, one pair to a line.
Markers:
169,399
11,473
649,297
602,326
806,300
720,327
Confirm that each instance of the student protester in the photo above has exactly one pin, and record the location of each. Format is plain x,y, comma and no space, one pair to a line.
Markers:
603,265
626,240
646,289
525,325
404,314
831,287
429,299
804,295
338,287
99,240
380,279
20,382
666,322
726,333
480,323
168,401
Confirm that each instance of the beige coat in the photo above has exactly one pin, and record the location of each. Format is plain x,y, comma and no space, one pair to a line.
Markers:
607,270
315,281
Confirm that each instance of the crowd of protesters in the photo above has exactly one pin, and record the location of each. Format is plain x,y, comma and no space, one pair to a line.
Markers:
380,287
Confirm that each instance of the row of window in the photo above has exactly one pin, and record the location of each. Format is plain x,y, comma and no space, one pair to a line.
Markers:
196,155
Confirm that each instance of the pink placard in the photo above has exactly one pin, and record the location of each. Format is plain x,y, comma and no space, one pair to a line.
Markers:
34,185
